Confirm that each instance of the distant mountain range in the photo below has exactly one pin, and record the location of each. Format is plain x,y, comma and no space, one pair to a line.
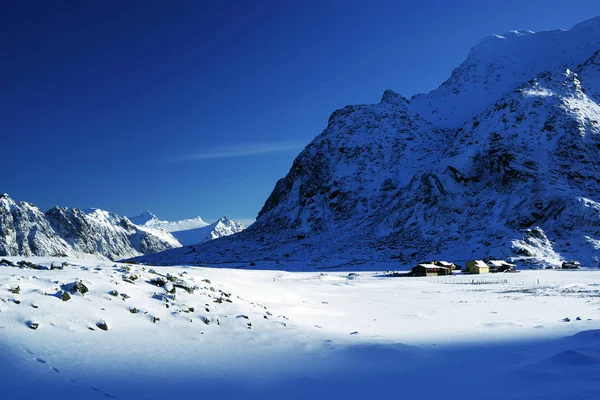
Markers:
502,160
190,231
26,230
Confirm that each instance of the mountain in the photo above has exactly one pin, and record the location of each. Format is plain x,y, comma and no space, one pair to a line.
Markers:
502,160
150,220
190,231
25,230
145,218
222,227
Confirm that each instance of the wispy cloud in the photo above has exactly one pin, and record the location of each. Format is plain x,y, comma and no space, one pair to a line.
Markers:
237,151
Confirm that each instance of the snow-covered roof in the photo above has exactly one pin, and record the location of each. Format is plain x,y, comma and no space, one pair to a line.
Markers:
445,263
499,263
480,264
431,265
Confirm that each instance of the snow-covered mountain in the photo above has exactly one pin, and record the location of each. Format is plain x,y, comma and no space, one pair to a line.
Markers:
26,230
190,231
220,228
150,220
502,160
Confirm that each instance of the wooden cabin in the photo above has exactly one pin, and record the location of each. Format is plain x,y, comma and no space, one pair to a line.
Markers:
430,269
571,265
477,267
500,266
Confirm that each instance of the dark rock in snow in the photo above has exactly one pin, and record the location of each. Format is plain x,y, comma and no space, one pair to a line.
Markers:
102,325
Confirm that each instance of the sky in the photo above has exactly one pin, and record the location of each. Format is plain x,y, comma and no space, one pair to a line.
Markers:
197,108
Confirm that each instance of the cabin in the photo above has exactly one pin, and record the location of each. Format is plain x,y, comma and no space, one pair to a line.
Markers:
430,269
446,264
477,267
571,265
500,266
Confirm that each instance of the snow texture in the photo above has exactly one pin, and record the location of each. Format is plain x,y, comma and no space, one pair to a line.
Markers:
133,331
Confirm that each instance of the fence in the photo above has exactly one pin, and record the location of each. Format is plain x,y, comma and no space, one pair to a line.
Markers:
438,280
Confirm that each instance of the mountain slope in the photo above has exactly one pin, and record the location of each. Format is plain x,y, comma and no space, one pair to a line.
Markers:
502,160
25,230
498,63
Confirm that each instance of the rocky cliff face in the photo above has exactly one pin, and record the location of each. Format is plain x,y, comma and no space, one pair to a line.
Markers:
503,160
25,230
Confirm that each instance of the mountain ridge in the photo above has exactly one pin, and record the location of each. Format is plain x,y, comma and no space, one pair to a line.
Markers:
27,231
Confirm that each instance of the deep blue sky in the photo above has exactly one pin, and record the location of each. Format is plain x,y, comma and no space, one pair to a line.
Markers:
134,105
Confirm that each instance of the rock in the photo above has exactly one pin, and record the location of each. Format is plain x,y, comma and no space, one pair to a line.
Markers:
125,296
566,320
155,319
16,290
65,296
16,301
33,325
578,319
205,320
158,281
243,316
35,306
207,281
133,310
169,287
102,325
113,293
79,287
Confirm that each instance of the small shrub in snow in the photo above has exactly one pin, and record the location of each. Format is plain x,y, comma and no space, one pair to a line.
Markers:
16,290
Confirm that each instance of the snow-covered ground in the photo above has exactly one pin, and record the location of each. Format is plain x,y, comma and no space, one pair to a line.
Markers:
280,335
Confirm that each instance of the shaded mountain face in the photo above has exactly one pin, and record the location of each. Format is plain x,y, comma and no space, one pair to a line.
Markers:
190,231
25,230
502,160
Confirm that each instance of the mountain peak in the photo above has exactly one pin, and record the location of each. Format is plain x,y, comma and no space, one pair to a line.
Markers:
391,97
145,218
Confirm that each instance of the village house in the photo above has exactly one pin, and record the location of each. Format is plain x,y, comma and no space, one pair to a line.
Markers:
430,269
446,264
500,266
571,265
477,267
